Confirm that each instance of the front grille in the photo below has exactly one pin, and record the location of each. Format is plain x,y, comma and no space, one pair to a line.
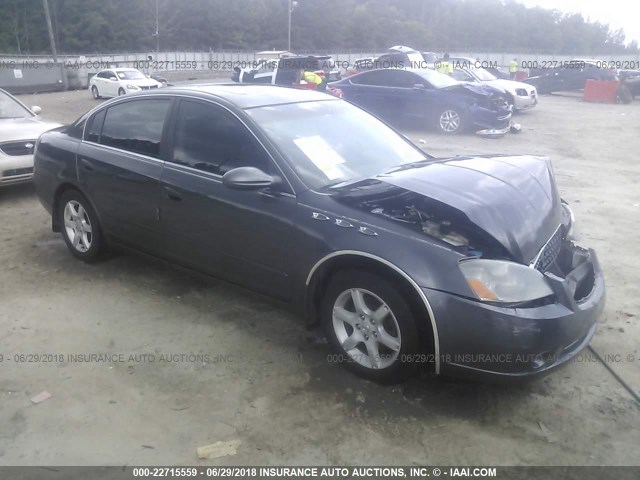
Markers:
17,171
549,252
147,88
15,149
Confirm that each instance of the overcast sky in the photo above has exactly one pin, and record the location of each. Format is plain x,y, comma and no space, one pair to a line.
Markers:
623,14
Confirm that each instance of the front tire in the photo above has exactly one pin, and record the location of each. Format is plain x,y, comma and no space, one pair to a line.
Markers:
80,227
624,95
121,92
370,326
95,93
450,121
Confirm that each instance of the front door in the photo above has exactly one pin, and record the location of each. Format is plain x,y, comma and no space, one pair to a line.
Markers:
242,236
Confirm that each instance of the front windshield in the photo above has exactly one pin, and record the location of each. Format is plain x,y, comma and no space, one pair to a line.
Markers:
331,142
429,57
415,59
130,75
483,75
437,79
10,108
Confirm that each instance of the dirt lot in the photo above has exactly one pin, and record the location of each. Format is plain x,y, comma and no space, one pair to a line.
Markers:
267,382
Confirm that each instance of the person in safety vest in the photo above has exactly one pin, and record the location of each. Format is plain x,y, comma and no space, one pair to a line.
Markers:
445,65
312,77
513,68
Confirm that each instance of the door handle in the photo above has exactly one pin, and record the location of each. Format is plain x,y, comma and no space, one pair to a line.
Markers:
172,194
86,164
130,177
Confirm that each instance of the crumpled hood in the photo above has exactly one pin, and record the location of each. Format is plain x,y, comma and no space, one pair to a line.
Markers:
477,88
14,129
512,198
509,85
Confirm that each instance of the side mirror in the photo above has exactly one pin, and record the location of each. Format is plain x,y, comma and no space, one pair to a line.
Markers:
247,178
36,109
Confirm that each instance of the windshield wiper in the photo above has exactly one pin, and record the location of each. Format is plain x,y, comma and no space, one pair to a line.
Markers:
407,166
345,184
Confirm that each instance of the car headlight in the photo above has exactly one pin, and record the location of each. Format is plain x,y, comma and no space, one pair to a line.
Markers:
521,92
572,221
133,87
503,281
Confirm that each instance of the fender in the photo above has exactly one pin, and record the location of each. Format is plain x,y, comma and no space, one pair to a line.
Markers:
421,294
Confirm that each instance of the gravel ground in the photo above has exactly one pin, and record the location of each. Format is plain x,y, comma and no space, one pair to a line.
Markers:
267,381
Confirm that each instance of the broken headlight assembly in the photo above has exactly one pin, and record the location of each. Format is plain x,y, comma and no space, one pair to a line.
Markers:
503,281
571,220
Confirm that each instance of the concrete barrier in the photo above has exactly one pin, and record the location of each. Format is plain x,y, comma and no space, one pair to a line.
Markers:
29,77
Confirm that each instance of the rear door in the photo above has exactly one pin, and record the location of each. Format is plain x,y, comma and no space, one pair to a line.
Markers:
110,83
119,165
377,92
243,236
101,82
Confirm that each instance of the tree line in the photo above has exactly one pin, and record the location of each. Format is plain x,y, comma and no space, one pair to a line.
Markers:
110,26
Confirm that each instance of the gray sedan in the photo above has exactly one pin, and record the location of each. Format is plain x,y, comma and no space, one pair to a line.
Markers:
461,265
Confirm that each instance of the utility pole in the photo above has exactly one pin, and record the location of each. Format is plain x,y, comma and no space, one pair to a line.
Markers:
289,42
157,31
292,5
52,40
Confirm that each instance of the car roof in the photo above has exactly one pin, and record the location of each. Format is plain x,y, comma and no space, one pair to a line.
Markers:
304,57
246,95
402,49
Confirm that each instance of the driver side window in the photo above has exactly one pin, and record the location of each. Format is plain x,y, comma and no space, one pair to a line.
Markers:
211,139
461,76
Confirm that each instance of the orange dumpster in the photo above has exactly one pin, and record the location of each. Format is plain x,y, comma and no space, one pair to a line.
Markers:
603,91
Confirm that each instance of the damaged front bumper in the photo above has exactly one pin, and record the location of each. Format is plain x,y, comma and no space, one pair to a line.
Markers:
492,123
487,340
493,132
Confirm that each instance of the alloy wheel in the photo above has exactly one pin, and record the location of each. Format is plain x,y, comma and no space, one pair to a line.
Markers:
450,121
366,328
77,226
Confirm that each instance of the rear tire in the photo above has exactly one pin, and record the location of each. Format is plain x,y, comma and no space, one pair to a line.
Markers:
80,226
370,326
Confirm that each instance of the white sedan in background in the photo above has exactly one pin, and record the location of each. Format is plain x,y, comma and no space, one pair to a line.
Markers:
20,128
521,95
114,82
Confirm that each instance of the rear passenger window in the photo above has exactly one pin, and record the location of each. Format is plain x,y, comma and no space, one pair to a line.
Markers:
93,133
136,126
385,78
